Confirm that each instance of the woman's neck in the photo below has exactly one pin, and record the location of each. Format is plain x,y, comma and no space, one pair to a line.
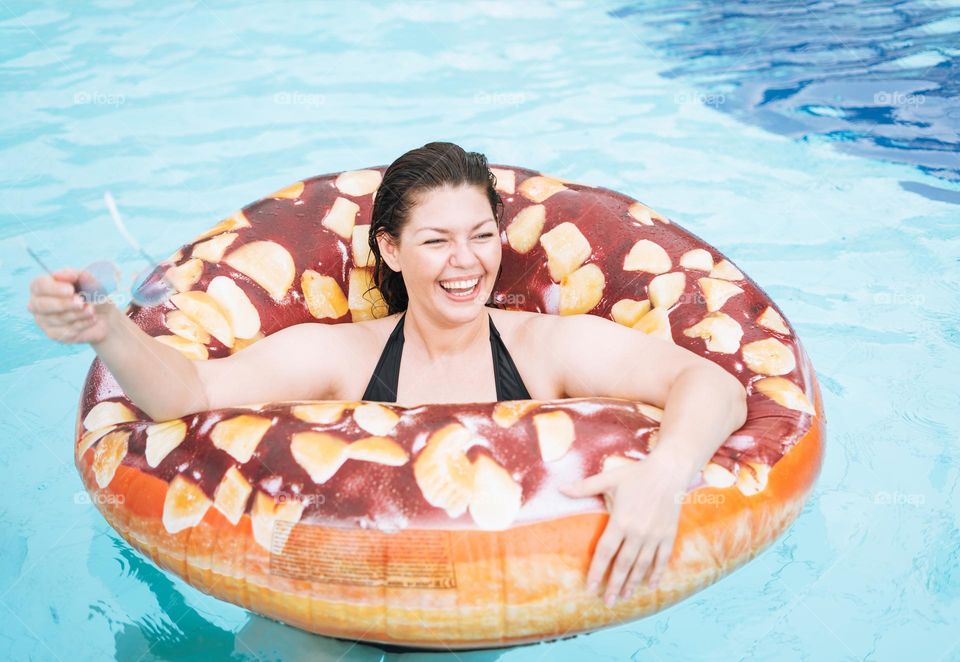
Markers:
438,342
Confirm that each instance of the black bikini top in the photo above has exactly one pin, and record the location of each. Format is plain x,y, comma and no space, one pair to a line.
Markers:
383,384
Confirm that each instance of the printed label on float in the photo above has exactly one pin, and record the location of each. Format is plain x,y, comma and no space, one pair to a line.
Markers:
416,559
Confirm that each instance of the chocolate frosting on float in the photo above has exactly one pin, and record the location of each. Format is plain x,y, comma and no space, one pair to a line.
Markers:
306,221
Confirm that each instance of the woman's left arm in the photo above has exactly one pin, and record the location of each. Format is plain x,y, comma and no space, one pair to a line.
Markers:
702,405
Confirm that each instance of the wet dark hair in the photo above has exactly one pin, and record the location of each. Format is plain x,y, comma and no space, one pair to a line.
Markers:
412,175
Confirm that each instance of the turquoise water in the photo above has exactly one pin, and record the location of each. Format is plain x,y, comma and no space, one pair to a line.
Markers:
189,111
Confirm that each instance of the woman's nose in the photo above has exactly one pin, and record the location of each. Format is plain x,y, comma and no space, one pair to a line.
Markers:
463,254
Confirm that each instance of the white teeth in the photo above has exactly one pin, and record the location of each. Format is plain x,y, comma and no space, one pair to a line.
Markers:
459,284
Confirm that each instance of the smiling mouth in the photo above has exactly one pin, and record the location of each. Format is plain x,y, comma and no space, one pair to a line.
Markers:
461,288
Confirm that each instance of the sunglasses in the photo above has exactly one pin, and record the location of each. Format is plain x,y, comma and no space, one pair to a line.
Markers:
101,278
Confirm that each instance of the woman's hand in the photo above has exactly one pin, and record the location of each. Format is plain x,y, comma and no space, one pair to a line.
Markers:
644,513
62,314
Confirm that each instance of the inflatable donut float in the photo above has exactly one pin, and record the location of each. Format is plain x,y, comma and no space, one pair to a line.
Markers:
441,526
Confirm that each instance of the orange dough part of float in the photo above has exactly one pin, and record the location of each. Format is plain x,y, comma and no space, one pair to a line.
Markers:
441,526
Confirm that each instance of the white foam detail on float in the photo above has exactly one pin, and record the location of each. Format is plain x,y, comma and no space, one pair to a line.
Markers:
585,407
741,442
548,501
551,299
271,485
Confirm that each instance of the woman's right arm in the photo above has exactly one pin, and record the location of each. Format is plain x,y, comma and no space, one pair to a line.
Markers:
286,365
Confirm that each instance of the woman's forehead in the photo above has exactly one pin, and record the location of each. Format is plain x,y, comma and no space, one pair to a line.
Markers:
451,209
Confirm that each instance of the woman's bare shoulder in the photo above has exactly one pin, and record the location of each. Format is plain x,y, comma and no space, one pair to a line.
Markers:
525,325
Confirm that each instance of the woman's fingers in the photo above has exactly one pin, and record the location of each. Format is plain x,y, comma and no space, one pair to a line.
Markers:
60,312
621,567
663,557
47,305
68,318
47,285
607,546
639,569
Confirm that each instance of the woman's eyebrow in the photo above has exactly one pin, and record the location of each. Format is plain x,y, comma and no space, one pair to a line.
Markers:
445,231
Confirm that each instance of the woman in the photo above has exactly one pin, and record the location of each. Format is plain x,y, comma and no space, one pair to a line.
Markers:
436,239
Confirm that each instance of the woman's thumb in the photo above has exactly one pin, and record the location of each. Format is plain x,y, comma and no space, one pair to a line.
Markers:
584,487
66,274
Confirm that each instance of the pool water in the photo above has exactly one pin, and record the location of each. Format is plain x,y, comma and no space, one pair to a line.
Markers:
187,111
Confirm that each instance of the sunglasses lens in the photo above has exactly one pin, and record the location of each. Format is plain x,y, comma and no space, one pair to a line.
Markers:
151,289
98,280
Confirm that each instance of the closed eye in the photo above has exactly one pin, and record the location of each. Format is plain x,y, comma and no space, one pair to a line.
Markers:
485,235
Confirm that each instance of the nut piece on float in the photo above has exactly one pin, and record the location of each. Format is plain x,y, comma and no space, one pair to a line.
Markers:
725,270
656,323
717,292
770,319
381,450
322,413
320,454
506,180
266,263
665,290
323,295
190,349
108,412
555,434
629,311
443,472
241,314
341,218
508,412
697,259
162,438
566,249
207,313
212,249
360,247
234,222
358,183
496,498
645,215
524,230
184,505
108,455
539,188
239,436
752,478
363,296
769,357
186,275
375,419
231,495
181,325
785,393
292,192
582,290
721,332
647,256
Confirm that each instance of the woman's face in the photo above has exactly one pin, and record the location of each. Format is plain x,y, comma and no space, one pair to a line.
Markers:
451,235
